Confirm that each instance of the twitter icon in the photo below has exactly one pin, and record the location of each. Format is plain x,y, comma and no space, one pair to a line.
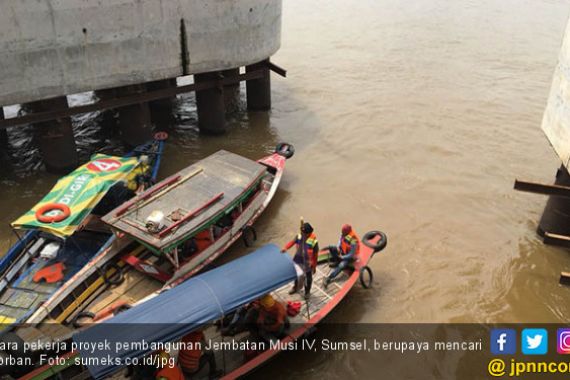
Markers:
534,341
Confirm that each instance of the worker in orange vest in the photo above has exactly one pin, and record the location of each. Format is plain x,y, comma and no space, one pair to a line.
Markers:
196,244
306,256
345,253
272,318
193,357
167,370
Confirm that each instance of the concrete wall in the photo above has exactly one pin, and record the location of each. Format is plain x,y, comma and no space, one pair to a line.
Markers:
556,119
58,47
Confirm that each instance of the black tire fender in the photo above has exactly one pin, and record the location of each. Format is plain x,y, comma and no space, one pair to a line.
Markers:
116,279
246,231
84,314
379,245
366,284
122,308
285,149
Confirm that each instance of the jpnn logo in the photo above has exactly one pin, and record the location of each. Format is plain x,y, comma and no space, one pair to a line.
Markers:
503,341
534,341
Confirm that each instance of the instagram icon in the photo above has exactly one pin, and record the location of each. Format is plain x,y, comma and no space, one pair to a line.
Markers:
563,341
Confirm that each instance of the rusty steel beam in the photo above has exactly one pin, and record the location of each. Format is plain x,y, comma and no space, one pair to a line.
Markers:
277,70
564,278
123,101
538,188
557,240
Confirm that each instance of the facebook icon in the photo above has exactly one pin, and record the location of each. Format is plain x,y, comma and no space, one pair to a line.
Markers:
503,341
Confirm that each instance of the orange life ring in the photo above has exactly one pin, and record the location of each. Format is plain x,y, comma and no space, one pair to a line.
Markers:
161,136
42,211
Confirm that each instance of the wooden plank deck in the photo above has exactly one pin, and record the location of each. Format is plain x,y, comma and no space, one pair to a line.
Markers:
222,172
229,360
135,287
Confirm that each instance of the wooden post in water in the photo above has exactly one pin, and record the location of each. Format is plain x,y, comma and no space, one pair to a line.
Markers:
134,120
259,90
210,105
3,133
162,110
231,92
556,215
55,138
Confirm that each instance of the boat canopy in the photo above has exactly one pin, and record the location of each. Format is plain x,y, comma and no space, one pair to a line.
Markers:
188,201
182,309
81,191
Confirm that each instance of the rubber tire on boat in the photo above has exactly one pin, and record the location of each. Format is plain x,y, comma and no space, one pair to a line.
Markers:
284,149
122,308
115,280
83,314
244,235
160,136
366,284
380,245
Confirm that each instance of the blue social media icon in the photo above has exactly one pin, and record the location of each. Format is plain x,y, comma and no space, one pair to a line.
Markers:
534,341
503,341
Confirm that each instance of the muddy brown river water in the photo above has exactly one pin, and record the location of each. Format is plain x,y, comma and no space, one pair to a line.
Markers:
411,117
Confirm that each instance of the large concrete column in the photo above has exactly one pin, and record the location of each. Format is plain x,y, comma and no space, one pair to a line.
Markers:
134,120
210,104
231,92
259,90
162,110
55,138
556,215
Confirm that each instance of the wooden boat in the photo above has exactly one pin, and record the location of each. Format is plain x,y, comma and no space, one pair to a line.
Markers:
324,298
208,206
170,315
64,234
160,260
204,208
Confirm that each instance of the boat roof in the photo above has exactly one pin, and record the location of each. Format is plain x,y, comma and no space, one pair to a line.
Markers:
178,311
189,200
81,190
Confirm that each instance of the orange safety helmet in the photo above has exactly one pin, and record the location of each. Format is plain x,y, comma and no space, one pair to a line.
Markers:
267,301
346,228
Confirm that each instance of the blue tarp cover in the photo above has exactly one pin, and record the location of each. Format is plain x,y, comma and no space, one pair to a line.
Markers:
178,311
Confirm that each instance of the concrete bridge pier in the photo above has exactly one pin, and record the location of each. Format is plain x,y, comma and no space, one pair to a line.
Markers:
259,90
134,120
162,110
556,215
231,92
55,138
210,105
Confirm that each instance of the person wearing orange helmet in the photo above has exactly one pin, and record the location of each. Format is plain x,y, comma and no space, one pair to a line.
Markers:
272,318
344,253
